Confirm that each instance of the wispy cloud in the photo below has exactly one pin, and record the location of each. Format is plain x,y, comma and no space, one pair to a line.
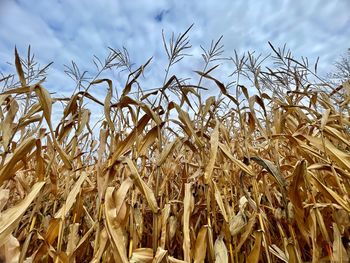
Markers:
63,30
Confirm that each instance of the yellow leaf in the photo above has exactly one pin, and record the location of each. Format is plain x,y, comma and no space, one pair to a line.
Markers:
255,253
292,255
200,248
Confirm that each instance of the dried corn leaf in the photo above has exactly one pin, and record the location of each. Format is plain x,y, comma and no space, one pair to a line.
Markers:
46,104
272,169
221,254
142,255
72,196
4,196
164,220
149,139
174,260
129,140
239,163
135,76
10,218
20,152
339,252
188,125
10,250
115,232
200,248
214,142
166,151
299,173
19,69
292,255
7,126
217,82
186,222
254,255
107,104
73,238
329,193
103,239
220,202
143,187
160,255
340,157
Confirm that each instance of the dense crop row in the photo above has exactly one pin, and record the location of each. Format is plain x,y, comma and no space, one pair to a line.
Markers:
242,175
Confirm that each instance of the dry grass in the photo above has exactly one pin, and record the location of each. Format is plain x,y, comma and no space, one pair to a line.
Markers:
252,177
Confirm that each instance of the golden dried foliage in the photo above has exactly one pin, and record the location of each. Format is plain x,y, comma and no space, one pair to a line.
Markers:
266,180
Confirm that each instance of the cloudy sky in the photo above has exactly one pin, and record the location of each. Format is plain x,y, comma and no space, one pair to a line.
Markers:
62,30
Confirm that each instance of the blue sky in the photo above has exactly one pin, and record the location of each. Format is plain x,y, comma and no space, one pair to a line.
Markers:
62,30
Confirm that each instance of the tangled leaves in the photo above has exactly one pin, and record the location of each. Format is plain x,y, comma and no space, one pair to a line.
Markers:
215,184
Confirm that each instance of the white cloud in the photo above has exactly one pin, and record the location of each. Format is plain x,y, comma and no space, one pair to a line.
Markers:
63,30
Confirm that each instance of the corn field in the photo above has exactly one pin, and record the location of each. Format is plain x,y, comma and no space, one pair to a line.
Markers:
178,173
